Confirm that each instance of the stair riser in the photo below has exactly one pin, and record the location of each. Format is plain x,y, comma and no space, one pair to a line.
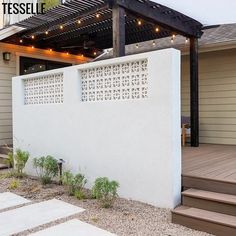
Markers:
209,185
209,205
2,161
202,225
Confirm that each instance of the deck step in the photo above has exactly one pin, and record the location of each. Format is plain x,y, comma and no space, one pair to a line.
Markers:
3,166
5,149
212,185
3,161
4,156
207,221
211,201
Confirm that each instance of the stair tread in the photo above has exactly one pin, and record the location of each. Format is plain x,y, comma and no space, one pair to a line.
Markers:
212,196
3,156
3,166
209,216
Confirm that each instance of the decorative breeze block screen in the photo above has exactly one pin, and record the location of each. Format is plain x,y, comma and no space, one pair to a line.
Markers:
123,81
46,89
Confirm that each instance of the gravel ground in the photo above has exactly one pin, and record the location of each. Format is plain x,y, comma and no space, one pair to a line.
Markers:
125,218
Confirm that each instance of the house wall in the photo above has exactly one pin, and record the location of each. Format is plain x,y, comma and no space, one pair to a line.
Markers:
117,118
10,69
217,95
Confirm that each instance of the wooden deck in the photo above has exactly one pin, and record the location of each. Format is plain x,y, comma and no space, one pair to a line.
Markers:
209,190
215,162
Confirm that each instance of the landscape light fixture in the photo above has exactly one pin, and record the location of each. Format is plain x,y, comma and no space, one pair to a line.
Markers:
6,56
60,163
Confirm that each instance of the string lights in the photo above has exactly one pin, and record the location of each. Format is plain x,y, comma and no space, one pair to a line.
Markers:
173,38
97,15
139,22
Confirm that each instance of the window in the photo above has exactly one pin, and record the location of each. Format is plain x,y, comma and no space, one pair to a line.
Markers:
32,65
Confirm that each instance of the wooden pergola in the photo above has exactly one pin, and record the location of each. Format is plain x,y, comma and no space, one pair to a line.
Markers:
89,26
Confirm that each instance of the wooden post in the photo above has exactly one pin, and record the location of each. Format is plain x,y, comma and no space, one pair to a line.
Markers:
118,17
194,92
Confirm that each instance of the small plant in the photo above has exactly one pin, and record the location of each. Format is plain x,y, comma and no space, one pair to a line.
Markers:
46,168
79,194
105,191
74,183
14,184
19,160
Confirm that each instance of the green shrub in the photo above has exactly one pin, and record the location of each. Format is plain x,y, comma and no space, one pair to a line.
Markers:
46,167
79,194
14,184
19,160
74,184
105,191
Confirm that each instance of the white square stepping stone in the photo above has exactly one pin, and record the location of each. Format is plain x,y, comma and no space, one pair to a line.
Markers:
8,200
73,228
28,217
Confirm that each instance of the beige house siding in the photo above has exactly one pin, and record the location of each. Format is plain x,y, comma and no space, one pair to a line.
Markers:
7,70
217,96
10,69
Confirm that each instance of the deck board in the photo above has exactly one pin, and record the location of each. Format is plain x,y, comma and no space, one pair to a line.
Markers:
216,162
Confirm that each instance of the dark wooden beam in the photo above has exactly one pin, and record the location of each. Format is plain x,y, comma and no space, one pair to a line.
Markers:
194,92
118,23
163,16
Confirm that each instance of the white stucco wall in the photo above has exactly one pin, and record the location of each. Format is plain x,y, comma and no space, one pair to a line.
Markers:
136,142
